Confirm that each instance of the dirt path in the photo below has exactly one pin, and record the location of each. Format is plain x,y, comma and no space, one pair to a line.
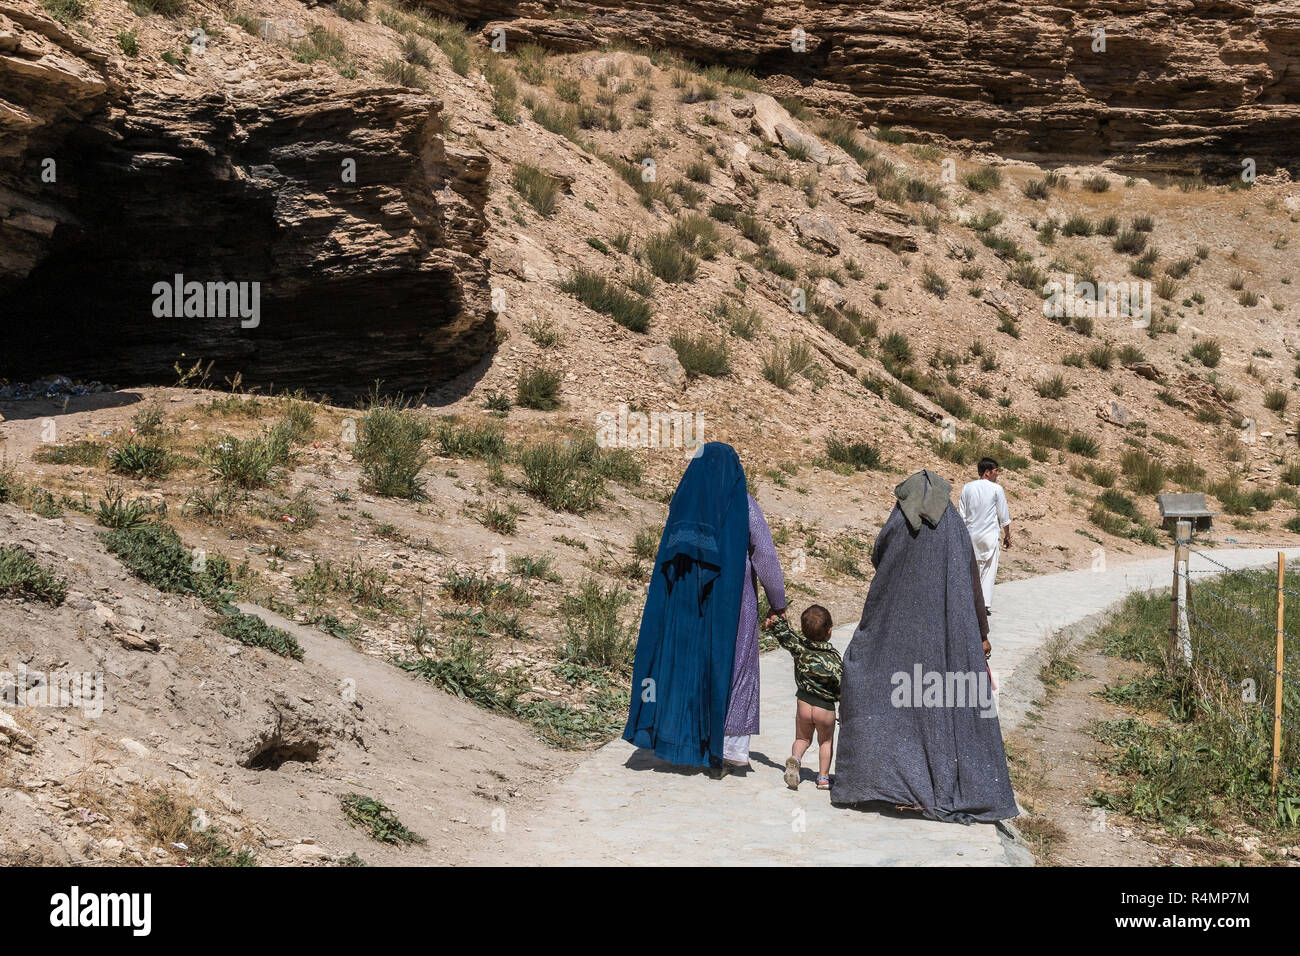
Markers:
623,806
1058,764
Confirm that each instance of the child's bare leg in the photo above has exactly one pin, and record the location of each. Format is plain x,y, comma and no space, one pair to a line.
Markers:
803,728
825,723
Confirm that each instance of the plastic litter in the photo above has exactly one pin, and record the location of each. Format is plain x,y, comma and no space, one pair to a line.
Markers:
55,386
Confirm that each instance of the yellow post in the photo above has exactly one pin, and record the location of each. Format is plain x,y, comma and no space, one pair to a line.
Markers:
1277,683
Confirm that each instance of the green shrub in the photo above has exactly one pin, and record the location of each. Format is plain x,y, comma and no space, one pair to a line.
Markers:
724,211
983,180
668,259
896,347
247,462
1208,352
1077,225
543,332
1102,356
1037,189
114,512
1042,432
539,189
782,363
503,520
599,294
390,448
1131,355
1027,275
1084,445
1130,242
1241,501
538,388
934,283
1103,477
646,544
142,459
741,322
561,120
860,455
594,635
701,354
699,171
1053,387
255,632
752,229
1145,473
166,8
22,577
372,816
155,554
557,475
470,440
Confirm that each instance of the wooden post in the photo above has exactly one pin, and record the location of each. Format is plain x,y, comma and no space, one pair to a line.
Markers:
1179,638
1277,682
1173,591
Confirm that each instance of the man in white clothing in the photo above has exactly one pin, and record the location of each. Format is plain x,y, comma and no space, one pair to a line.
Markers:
983,506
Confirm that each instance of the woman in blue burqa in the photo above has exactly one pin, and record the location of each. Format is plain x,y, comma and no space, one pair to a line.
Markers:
918,723
695,680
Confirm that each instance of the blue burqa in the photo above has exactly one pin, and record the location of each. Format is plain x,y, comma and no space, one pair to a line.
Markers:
682,673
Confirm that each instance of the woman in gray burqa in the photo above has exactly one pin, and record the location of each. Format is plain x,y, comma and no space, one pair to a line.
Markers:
918,724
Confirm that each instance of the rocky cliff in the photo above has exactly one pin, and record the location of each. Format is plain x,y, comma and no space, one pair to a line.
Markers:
344,211
1182,85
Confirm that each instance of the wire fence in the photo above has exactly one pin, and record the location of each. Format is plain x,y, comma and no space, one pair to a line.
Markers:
1236,630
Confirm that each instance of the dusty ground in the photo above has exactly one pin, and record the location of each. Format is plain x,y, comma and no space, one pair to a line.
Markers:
263,746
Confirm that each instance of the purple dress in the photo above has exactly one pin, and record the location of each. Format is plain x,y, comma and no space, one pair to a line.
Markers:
761,564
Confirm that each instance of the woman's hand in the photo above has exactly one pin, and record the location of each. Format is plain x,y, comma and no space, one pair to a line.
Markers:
772,616
988,650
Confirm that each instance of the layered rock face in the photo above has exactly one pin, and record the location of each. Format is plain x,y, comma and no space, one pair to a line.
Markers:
335,237
1183,85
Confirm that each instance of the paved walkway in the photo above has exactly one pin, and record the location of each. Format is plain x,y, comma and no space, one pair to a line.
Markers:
624,806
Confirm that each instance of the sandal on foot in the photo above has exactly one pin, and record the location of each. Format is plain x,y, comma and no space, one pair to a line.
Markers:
792,772
823,783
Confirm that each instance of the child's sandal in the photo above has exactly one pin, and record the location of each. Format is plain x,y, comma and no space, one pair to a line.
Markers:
823,783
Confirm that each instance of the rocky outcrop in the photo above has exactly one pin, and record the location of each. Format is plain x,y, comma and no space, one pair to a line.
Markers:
1193,84
50,80
343,226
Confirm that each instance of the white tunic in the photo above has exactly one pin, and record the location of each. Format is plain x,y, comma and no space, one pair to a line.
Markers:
983,506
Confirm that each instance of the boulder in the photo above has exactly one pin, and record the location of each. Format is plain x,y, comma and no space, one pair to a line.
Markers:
871,227
13,735
796,141
1113,413
819,232
665,363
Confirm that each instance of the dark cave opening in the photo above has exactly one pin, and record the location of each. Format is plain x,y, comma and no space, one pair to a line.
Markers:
327,321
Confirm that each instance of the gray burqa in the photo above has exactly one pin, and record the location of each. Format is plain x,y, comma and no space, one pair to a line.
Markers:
918,727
